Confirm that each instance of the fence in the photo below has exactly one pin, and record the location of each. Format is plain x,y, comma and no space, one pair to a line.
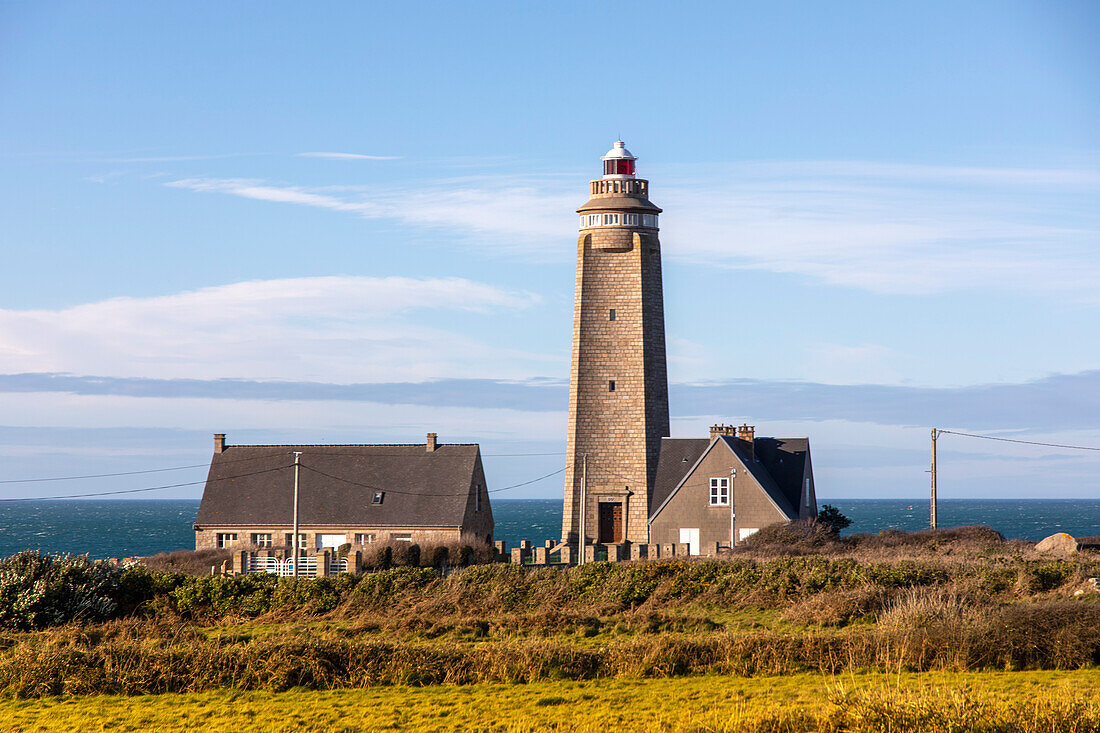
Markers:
285,568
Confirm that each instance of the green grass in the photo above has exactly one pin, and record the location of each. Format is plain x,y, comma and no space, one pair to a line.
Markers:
718,703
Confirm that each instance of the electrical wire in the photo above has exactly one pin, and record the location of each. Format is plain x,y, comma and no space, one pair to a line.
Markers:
130,473
1024,442
151,488
420,493
225,461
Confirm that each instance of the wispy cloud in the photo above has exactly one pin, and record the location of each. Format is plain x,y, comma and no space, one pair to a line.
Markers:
878,227
348,156
1065,402
174,158
302,328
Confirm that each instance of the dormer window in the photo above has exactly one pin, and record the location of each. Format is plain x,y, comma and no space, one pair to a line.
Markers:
378,497
618,167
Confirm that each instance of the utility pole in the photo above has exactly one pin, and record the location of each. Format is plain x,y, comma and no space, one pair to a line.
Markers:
935,434
584,505
733,510
294,542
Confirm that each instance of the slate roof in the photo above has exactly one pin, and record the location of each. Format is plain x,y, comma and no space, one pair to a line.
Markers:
785,461
778,469
677,457
254,485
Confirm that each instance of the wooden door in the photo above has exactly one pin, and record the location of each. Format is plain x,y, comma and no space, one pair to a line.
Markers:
611,522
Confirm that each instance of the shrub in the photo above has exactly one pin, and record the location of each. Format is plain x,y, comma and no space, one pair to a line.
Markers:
406,553
439,556
191,562
801,537
387,584
37,591
833,521
243,595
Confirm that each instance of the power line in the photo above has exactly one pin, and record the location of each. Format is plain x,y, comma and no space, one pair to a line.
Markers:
235,460
534,480
137,491
128,473
1024,442
420,493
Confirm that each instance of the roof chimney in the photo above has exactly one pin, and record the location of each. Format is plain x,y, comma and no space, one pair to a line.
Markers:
431,442
716,430
219,442
747,434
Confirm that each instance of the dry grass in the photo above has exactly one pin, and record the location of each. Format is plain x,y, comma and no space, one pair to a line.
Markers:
190,562
803,703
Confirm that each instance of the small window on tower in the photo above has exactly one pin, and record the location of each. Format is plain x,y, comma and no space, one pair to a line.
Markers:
611,315
611,386
631,220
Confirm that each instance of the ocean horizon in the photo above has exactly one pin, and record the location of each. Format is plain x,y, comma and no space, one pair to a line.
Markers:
124,528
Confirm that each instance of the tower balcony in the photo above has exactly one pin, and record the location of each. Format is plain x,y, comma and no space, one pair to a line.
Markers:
620,187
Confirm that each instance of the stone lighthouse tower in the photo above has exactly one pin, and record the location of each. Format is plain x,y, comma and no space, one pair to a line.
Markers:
618,389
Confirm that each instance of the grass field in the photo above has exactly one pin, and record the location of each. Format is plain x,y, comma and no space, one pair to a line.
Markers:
1051,701
920,633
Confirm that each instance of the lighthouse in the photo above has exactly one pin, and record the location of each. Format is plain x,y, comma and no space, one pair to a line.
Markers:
618,388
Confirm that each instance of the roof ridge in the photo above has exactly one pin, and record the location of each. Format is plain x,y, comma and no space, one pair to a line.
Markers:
341,445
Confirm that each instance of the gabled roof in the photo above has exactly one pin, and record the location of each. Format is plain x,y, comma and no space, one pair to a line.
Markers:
254,484
677,457
785,460
778,467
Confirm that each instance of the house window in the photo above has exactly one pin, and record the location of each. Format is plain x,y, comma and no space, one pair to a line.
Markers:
261,539
364,538
378,497
611,315
227,539
720,492
401,537
289,539
611,385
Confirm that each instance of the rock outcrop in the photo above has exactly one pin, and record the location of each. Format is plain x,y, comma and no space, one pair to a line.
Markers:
1058,544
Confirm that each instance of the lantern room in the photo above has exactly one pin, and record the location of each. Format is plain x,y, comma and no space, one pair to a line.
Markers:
618,163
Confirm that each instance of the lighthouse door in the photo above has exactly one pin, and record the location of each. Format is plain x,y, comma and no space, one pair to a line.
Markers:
611,522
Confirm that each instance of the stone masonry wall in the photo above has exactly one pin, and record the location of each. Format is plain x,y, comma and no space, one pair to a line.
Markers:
617,268
206,538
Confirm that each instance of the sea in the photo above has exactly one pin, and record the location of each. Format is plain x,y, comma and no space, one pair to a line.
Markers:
116,528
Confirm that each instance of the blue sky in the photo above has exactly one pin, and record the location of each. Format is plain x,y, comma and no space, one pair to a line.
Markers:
354,223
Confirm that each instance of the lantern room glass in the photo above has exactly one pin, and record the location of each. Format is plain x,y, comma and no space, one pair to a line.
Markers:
618,167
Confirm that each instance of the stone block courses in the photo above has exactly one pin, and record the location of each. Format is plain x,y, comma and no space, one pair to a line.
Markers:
618,429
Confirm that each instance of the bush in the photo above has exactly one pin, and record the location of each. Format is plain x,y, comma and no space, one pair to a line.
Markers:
439,556
803,536
242,595
37,591
191,562
833,521
411,556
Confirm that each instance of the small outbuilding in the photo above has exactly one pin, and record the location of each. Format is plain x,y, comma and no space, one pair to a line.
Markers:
425,493
716,493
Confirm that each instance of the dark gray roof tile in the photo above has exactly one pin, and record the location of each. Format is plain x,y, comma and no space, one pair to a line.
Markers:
254,484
